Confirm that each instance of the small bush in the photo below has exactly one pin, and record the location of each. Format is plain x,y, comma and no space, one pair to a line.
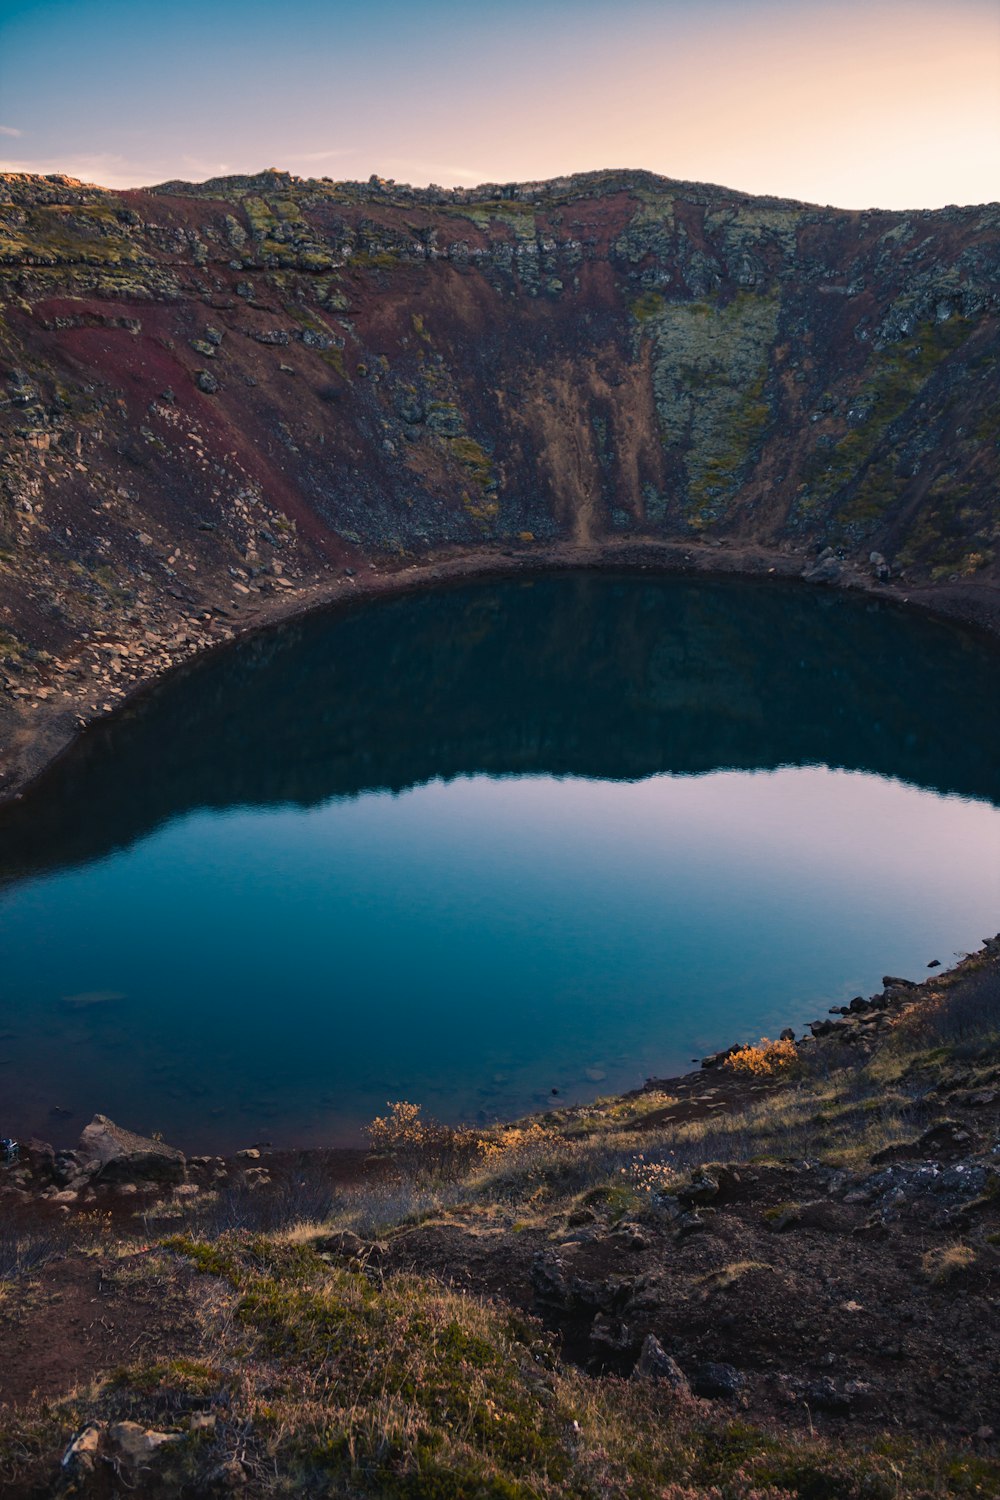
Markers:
425,1145
946,1261
766,1060
23,1250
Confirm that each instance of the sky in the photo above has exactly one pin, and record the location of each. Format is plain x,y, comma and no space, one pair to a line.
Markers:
856,103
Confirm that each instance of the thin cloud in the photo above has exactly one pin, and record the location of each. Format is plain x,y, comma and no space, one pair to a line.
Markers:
103,169
438,169
321,155
9,130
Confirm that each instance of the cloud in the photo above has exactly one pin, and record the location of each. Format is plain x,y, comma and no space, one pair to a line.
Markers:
321,155
438,170
106,169
9,130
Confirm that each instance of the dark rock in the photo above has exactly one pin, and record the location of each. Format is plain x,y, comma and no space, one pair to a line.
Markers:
631,1236
550,1281
206,381
40,1157
346,1245
946,1136
654,1363
978,1098
580,1216
819,1214
227,1478
703,1188
715,1059
446,420
827,569
717,1381
69,1167
710,1183
826,1395
688,1224
609,1335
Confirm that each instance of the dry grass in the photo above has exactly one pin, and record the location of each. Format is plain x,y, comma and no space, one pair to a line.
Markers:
945,1262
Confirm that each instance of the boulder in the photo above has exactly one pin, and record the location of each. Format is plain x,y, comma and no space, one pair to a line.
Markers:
717,1380
826,569
80,1458
609,1335
654,1363
40,1157
123,1156
136,1446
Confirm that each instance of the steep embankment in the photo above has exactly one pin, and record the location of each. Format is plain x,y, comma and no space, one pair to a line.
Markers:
221,402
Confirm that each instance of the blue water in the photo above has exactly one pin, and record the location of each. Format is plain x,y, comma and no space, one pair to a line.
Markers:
471,847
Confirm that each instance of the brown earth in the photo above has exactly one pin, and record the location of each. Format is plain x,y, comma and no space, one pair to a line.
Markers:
827,1285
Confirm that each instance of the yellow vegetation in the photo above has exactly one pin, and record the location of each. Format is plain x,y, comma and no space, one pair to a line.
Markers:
945,1261
765,1060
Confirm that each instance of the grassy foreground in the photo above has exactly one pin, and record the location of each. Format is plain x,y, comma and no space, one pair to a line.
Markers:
298,1339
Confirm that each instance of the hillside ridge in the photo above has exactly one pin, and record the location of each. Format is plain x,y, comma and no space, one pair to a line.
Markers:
223,402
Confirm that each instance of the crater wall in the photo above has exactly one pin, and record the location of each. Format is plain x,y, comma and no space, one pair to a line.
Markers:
221,402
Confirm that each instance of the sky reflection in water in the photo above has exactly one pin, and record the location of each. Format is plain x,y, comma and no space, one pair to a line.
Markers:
281,970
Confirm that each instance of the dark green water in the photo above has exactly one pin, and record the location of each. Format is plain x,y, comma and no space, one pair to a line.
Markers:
470,846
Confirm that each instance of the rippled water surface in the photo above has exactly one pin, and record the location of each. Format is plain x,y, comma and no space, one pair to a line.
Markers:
472,846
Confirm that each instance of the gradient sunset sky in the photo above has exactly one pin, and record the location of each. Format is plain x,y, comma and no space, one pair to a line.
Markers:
858,103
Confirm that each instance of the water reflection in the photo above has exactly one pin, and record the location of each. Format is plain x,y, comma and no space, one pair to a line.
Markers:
584,675
475,845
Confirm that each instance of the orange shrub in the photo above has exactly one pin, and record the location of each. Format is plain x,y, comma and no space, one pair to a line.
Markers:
765,1060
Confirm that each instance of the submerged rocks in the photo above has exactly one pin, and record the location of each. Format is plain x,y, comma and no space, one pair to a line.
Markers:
123,1156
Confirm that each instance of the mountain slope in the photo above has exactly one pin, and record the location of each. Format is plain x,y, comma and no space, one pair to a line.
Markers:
215,396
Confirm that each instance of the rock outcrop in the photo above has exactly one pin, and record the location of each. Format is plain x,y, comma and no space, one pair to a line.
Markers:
122,1156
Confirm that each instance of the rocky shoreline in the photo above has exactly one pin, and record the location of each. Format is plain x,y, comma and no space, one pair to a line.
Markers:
113,1168
769,1285
46,718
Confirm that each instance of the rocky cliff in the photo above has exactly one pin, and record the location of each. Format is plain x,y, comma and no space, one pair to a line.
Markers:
221,401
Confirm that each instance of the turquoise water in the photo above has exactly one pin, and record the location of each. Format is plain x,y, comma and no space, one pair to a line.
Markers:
472,846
